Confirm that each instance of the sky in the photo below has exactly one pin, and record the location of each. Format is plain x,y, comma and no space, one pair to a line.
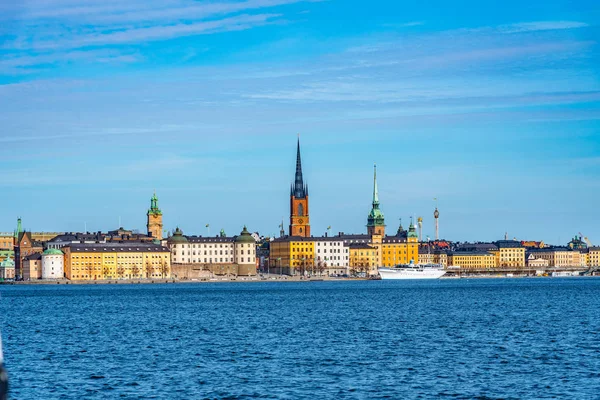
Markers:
493,109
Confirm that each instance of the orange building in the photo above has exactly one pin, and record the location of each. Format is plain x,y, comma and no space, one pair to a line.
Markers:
299,215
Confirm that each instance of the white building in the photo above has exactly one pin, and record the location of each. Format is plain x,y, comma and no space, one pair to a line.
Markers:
333,254
215,253
53,264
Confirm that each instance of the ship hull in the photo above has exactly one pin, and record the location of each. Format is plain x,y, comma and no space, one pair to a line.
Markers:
410,273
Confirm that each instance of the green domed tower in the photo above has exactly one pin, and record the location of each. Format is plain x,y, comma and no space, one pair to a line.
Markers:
177,237
376,220
155,219
412,232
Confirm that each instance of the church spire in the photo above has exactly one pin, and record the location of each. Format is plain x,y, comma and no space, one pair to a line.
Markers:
375,220
19,229
375,190
300,189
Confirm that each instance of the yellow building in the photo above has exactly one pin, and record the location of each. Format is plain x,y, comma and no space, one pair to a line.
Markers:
7,241
561,256
292,255
363,258
593,257
472,260
510,254
116,261
396,251
433,257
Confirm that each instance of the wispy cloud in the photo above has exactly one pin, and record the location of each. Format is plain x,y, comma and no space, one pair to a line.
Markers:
242,22
107,23
541,26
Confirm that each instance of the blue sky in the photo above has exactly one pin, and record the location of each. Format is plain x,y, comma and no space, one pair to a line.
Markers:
493,109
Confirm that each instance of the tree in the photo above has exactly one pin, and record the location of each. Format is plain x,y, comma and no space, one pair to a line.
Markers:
89,268
164,268
120,271
149,269
322,267
135,271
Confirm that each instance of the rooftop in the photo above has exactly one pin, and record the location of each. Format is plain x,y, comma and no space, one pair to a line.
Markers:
470,253
116,247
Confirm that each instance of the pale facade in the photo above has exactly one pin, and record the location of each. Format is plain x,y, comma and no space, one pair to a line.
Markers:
53,264
7,269
332,256
533,262
32,267
561,257
221,255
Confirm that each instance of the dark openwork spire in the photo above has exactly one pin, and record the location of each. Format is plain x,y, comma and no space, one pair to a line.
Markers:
300,190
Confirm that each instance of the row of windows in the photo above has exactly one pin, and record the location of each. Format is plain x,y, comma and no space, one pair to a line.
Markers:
119,256
210,253
331,251
210,246
196,246
84,276
333,258
226,260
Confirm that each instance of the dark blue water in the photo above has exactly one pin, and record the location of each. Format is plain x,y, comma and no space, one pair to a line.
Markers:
487,339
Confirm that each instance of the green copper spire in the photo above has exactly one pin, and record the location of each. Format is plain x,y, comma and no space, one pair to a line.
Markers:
19,229
412,229
154,206
375,190
376,217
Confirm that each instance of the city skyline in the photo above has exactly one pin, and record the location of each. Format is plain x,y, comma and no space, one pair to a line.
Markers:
494,112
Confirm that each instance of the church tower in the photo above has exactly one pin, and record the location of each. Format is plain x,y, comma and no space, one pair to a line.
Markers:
375,221
155,222
299,221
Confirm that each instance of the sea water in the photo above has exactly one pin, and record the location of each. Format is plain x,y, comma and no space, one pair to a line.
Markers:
468,338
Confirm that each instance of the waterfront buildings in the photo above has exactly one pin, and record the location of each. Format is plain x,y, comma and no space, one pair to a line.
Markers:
332,256
533,262
301,253
220,255
53,261
7,269
427,255
560,256
363,259
96,261
32,267
593,257
292,254
472,260
24,247
9,240
510,254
